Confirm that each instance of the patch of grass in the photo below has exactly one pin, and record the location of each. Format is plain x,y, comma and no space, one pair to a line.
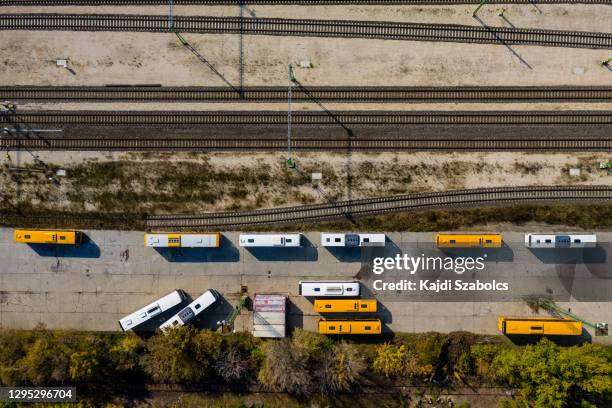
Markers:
597,217
586,216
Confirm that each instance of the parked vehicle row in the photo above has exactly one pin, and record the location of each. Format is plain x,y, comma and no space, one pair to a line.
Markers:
334,301
213,240
167,302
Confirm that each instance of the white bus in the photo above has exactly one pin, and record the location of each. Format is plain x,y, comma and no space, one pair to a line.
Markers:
208,299
560,240
149,311
352,240
270,240
329,288
175,240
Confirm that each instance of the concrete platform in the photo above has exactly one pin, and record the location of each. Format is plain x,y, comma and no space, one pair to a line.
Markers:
91,287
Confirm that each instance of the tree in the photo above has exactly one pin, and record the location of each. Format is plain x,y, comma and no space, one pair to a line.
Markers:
341,367
83,365
285,368
125,354
390,359
207,347
429,349
47,361
482,356
171,358
551,376
232,365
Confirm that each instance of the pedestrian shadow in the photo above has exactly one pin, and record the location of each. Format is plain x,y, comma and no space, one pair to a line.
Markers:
227,252
87,249
306,253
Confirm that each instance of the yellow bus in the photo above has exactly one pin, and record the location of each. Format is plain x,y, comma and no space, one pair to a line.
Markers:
547,326
468,240
365,326
345,305
48,237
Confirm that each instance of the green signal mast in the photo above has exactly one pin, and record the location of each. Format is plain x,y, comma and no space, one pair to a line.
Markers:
601,329
290,162
482,3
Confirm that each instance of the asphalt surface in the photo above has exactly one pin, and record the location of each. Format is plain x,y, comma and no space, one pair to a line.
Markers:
90,287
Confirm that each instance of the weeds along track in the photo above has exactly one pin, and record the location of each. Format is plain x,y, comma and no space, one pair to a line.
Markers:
485,197
313,28
153,93
314,131
383,205
279,2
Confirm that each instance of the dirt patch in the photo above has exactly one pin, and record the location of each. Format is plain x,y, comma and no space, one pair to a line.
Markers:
174,183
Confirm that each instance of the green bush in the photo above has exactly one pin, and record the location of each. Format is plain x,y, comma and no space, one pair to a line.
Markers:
552,376
391,360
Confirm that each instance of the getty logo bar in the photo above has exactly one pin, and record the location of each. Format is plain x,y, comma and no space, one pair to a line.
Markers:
412,264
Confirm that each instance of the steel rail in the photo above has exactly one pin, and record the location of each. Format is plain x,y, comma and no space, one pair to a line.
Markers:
383,205
319,131
485,197
309,27
336,144
153,93
305,118
279,2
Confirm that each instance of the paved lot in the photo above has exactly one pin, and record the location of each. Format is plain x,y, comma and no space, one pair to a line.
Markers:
90,287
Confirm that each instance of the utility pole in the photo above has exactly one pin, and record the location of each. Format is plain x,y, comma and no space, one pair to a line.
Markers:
290,162
482,3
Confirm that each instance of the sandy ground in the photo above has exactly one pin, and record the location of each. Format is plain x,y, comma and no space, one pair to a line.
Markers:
372,175
282,106
581,17
144,58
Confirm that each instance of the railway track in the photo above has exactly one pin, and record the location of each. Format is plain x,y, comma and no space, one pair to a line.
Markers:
312,28
502,196
315,131
120,93
279,2
382,144
384,205
305,118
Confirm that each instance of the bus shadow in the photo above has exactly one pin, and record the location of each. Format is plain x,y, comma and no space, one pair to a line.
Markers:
503,254
227,252
148,328
212,317
527,339
597,255
295,316
306,253
87,249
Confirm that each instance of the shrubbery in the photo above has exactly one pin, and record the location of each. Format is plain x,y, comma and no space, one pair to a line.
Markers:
307,363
